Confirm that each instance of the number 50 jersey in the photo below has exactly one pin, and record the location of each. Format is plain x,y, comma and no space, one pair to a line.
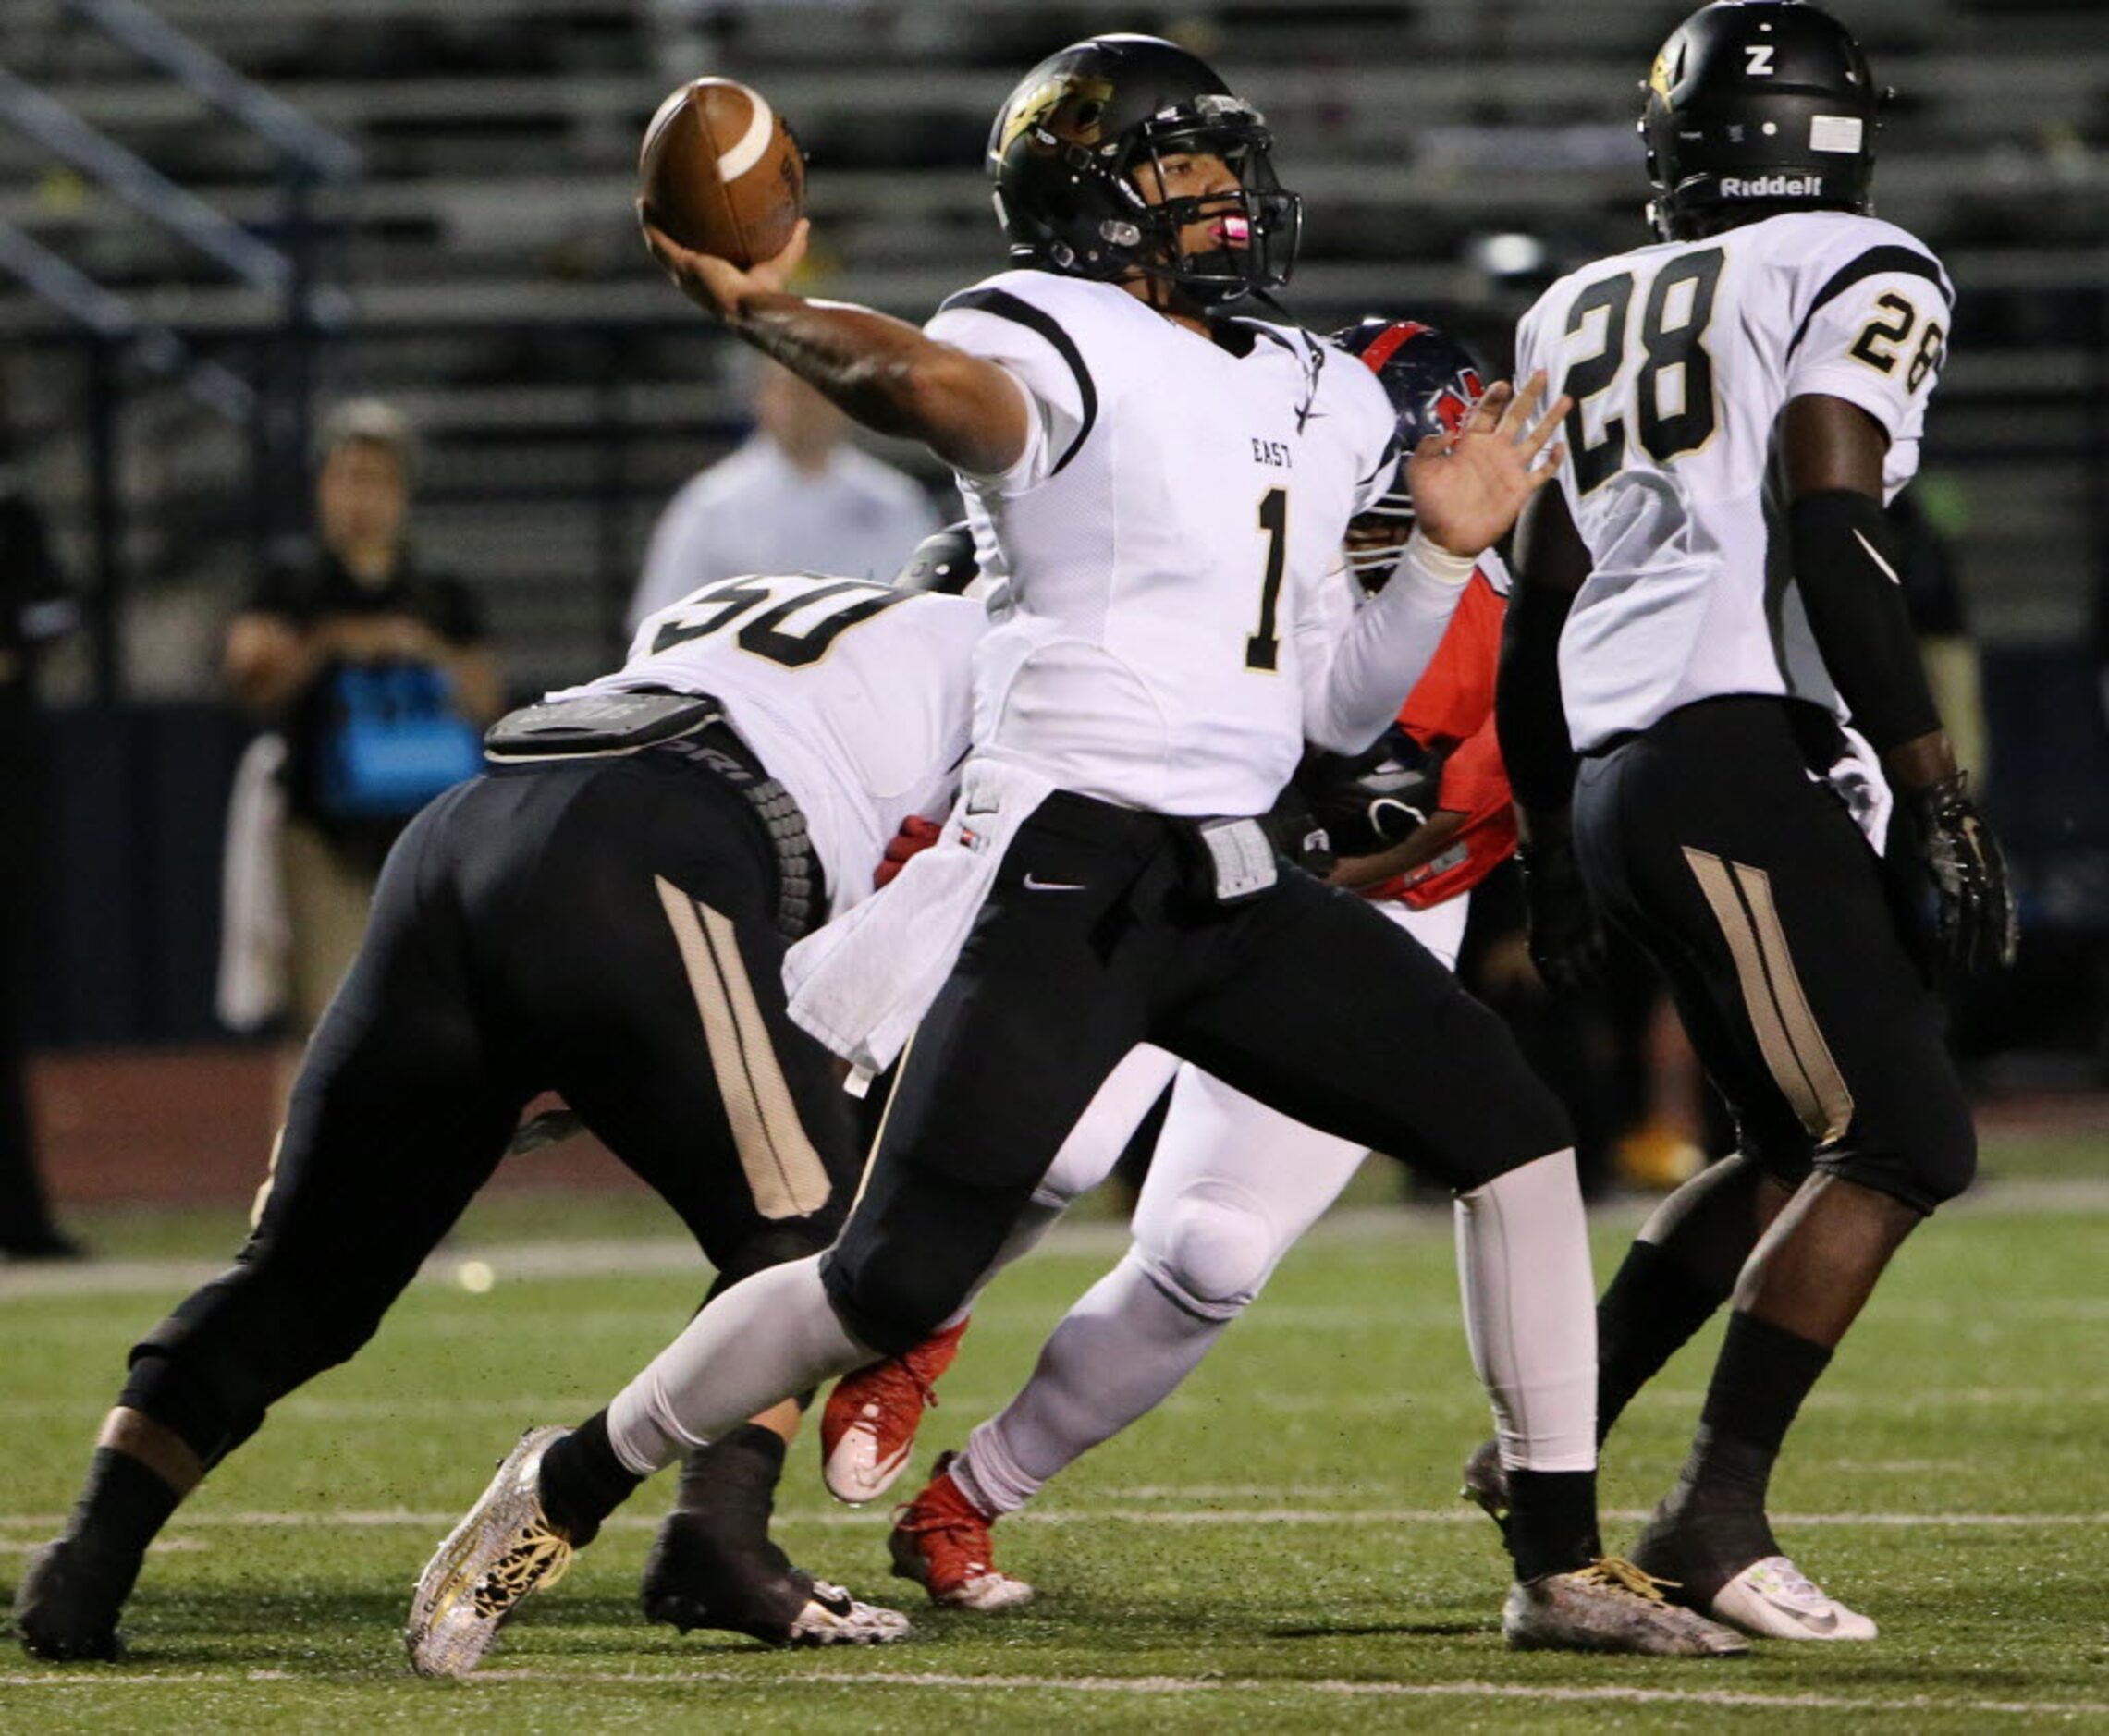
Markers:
1680,358
856,696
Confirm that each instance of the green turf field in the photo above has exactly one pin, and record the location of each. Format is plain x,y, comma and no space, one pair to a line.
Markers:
1279,1549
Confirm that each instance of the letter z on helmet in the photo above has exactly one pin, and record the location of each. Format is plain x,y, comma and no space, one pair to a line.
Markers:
1065,148
1758,104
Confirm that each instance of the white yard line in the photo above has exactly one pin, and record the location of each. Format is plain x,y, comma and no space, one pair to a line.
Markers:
673,1256
520,1411
358,1520
1151,1686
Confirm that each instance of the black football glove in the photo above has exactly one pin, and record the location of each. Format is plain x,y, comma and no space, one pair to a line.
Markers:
1366,802
1295,831
1566,937
1976,927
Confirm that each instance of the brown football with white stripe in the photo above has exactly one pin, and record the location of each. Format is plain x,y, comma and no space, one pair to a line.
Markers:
721,173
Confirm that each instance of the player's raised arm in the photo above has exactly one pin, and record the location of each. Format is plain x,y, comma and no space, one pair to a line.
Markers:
881,371
1467,488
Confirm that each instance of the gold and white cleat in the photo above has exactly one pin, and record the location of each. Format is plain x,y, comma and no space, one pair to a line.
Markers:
504,1550
1610,1606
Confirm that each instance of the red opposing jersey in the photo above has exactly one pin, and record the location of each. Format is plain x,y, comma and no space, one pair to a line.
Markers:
1452,707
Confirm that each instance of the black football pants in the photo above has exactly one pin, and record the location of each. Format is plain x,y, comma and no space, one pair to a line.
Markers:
1091,942
601,928
1787,942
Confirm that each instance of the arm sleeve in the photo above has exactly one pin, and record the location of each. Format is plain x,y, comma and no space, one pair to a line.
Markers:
1844,564
1528,708
1029,344
1358,670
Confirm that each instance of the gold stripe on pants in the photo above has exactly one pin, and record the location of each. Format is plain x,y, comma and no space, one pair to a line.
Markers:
784,1173
1794,1051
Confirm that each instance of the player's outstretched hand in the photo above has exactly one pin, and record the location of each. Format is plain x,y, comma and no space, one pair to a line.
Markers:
718,285
1469,486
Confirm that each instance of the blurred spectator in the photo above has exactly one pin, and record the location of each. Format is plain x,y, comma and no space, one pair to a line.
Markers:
33,610
796,497
378,676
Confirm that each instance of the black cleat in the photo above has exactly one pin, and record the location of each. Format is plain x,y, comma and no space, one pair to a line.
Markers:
68,1603
697,1577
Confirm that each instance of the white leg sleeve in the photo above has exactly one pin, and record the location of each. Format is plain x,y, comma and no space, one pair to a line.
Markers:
1439,928
766,1339
1530,1311
1113,1357
1102,1132
1232,1186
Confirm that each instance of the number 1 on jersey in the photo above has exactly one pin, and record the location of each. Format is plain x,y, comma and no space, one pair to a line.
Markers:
1263,649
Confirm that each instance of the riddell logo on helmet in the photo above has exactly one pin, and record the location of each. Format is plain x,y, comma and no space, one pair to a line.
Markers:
1772,187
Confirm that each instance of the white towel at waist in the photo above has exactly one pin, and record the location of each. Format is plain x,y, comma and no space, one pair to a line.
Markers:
252,987
1857,775
862,983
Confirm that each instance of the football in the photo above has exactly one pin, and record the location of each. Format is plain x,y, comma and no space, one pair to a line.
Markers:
721,173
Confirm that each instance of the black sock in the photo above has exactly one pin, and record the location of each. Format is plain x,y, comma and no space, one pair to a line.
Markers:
714,1564
1764,1374
1651,1309
735,1474
583,1482
1713,1524
123,1505
1553,1522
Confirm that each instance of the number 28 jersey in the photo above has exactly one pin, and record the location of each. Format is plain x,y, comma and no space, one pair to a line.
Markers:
854,695
1680,359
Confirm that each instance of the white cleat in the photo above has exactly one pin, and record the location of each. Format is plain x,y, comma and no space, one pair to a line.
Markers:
1610,1606
1775,1600
831,1617
504,1550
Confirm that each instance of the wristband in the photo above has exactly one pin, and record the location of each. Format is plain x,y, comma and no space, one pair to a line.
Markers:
1438,562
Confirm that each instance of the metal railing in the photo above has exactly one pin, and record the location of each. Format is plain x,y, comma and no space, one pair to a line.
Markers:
274,404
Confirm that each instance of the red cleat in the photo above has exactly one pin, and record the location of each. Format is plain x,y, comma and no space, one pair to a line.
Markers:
940,1540
868,1429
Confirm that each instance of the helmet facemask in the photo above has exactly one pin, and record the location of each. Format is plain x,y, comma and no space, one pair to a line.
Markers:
1267,219
1376,537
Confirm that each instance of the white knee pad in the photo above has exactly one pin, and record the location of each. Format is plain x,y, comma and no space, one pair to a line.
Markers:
1212,1251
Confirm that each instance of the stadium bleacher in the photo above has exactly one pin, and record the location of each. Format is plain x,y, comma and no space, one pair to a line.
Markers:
496,288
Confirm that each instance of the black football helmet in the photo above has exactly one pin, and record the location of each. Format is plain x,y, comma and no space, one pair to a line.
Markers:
1433,384
1765,104
944,561
1065,148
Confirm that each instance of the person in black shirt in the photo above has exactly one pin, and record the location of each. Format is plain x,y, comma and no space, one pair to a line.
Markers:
353,619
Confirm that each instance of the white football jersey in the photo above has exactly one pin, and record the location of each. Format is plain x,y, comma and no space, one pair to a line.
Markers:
1680,358
854,695
1164,558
